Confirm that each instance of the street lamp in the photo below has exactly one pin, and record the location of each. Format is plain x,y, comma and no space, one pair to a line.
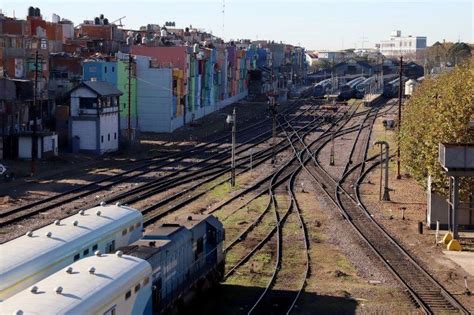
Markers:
231,119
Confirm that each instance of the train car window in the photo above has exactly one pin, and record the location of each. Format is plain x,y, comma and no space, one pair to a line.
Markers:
138,225
199,245
110,247
128,294
77,256
110,311
137,288
130,229
86,252
94,248
124,232
145,281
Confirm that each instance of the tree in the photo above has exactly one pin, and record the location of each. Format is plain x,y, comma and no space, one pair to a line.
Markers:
458,53
321,64
439,111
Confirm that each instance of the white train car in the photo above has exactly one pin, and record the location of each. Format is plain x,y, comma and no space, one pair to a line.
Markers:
38,254
110,284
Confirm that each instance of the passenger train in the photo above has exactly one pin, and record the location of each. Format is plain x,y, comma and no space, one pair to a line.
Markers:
347,91
40,253
152,275
364,87
390,89
322,88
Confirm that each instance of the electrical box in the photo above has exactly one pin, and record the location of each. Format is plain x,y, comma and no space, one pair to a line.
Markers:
456,156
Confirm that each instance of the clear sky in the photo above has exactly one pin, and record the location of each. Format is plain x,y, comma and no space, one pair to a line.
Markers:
314,24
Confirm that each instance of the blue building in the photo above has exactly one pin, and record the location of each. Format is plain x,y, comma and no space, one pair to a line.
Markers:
100,70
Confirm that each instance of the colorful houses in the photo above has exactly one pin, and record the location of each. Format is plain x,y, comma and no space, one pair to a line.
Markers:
201,80
167,76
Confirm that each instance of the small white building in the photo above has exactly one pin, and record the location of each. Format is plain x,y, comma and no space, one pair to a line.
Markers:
47,144
94,117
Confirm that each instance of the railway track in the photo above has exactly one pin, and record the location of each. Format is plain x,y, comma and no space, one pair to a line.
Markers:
272,299
185,196
17,214
429,294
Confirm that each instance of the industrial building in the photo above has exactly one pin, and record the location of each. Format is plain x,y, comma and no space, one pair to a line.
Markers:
407,46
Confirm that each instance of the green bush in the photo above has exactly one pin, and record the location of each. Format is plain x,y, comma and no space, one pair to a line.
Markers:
439,111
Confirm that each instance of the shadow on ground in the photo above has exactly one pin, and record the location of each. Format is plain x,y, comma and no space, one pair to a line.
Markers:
234,299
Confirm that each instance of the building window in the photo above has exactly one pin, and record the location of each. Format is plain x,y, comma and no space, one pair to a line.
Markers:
108,137
137,288
115,136
105,69
94,248
86,252
113,69
87,102
102,139
128,294
76,257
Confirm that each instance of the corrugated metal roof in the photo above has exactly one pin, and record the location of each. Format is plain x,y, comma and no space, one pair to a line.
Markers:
82,292
28,255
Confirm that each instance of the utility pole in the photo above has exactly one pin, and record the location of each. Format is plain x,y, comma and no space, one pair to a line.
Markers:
231,119
331,156
34,140
400,94
130,60
273,112
386,195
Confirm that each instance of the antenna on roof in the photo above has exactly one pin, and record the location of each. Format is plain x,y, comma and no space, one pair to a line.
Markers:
119,21
223,18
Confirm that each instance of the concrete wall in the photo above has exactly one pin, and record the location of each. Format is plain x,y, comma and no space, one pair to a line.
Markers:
24,147
438,211
46,145
109,137
86,130
154,97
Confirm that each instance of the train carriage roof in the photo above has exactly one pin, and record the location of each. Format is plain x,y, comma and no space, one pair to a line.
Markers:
27,255
83,291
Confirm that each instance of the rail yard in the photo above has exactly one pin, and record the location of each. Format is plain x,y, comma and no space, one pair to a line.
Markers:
276,240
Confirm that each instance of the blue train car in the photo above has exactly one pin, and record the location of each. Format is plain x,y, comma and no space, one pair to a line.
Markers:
150,276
